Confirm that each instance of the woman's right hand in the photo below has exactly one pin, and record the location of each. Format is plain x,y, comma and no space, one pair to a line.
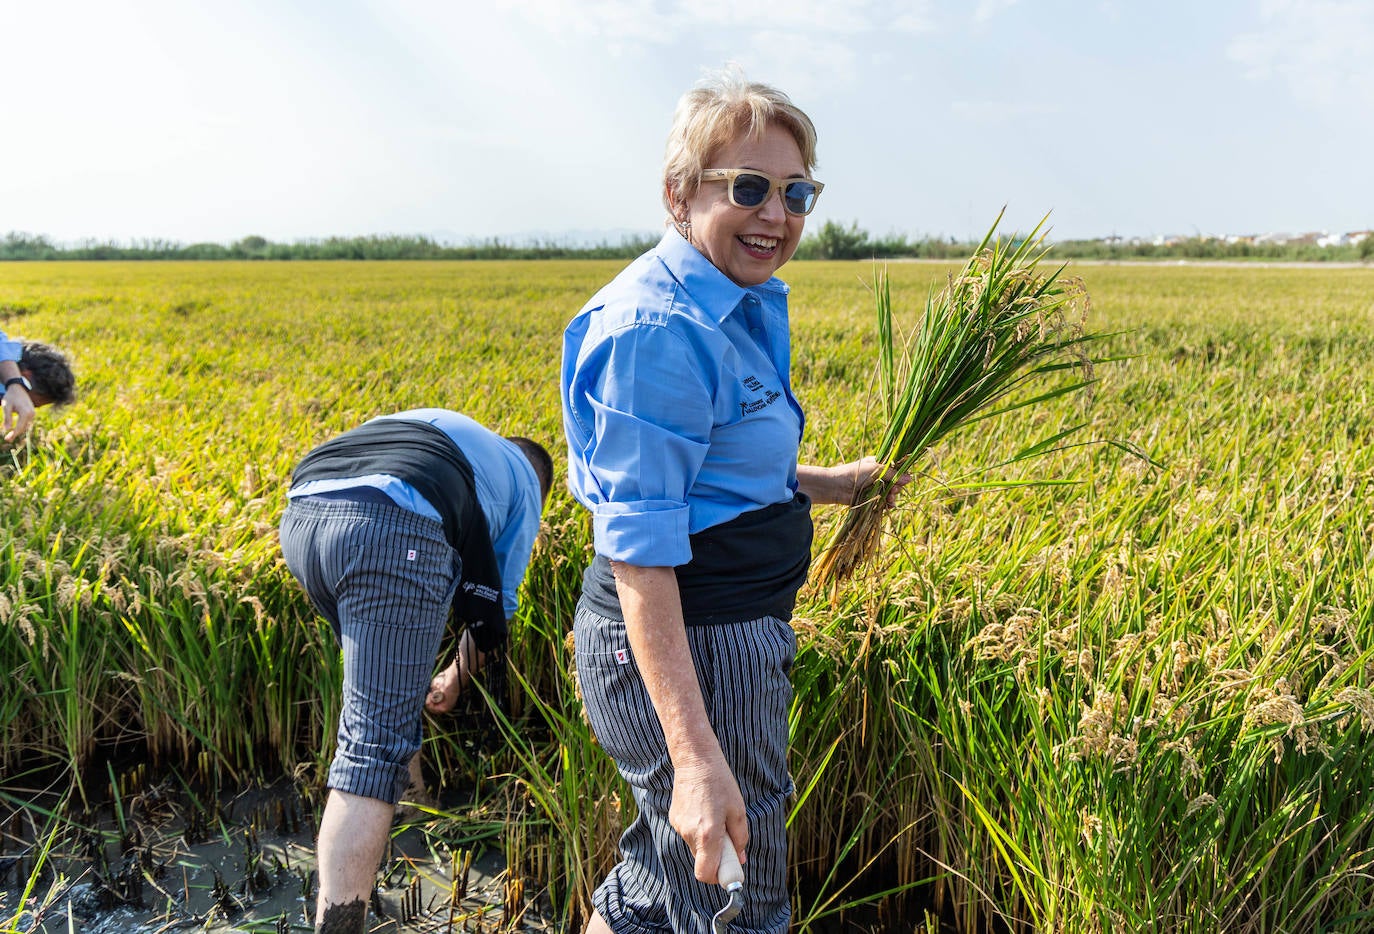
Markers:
707,810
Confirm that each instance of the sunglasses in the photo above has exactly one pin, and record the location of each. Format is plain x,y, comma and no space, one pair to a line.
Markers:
749,189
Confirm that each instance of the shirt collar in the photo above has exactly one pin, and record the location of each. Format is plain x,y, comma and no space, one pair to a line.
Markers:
716,293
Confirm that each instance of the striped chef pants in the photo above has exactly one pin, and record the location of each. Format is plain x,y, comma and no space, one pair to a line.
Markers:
743,670
384,577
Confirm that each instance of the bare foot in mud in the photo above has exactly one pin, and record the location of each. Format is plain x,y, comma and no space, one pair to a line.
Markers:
343,919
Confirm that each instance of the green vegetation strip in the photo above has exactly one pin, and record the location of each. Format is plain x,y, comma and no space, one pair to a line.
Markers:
1137,701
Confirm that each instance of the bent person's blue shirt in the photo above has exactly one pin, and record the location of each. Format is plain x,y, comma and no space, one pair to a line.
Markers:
507,490
10,350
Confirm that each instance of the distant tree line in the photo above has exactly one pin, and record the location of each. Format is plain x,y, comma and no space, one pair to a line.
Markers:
19,246
835,241
1217,248
832,241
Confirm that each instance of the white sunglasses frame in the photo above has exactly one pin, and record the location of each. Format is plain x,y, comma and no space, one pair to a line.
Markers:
774,184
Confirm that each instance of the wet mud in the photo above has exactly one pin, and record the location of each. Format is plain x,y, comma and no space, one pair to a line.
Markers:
162,857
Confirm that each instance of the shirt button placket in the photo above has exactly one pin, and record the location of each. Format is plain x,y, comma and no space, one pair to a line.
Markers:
753,314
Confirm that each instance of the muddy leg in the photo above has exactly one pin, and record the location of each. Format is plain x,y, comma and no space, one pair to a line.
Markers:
353,835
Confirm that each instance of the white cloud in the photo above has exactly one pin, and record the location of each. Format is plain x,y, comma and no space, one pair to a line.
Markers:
807,47
614,21
724,22
999,113
987,9
1322,50
914,21
828,18
804,64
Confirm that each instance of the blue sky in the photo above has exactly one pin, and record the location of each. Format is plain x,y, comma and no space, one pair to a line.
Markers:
185,121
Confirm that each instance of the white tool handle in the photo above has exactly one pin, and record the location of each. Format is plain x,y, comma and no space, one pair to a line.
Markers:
731,873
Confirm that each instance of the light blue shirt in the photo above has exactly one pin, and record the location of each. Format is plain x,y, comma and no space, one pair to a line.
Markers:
677,404
507,490
11,350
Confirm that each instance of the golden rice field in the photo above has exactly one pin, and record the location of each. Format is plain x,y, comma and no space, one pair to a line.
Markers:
1137,700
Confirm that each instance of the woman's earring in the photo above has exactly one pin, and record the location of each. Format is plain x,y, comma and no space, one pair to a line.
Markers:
684,227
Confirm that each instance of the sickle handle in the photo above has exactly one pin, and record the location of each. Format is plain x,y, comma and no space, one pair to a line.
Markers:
731,873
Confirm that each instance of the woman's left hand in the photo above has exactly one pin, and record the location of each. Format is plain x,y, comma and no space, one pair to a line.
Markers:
869,471
846,484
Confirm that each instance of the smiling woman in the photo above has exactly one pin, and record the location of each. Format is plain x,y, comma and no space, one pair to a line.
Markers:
683,435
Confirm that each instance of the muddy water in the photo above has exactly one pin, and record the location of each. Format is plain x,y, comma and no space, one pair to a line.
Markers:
162,860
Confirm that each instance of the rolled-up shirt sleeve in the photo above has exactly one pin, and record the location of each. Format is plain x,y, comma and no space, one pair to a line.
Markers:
10,350
642,416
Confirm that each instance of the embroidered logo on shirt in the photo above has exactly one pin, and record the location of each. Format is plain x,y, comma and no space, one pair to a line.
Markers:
410,555
754,384
483,592
622,656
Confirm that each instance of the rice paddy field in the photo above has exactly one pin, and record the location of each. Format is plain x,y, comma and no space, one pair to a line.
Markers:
1138,699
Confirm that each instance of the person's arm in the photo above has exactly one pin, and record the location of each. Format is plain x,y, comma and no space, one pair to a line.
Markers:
707,808
513,546
638,409
844,484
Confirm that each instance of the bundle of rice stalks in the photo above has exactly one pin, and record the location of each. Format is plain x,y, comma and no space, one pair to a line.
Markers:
999,324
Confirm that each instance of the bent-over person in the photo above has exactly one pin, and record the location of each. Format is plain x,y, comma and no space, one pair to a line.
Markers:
392,528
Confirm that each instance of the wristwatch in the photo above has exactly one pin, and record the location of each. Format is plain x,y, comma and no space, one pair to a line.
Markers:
21,380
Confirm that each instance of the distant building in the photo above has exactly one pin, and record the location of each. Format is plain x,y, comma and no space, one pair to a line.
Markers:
1272,238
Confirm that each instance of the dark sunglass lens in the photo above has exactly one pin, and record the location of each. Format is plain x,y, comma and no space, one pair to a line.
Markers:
750,190
799,197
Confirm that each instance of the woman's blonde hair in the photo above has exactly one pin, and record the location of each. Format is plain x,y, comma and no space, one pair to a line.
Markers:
723,107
